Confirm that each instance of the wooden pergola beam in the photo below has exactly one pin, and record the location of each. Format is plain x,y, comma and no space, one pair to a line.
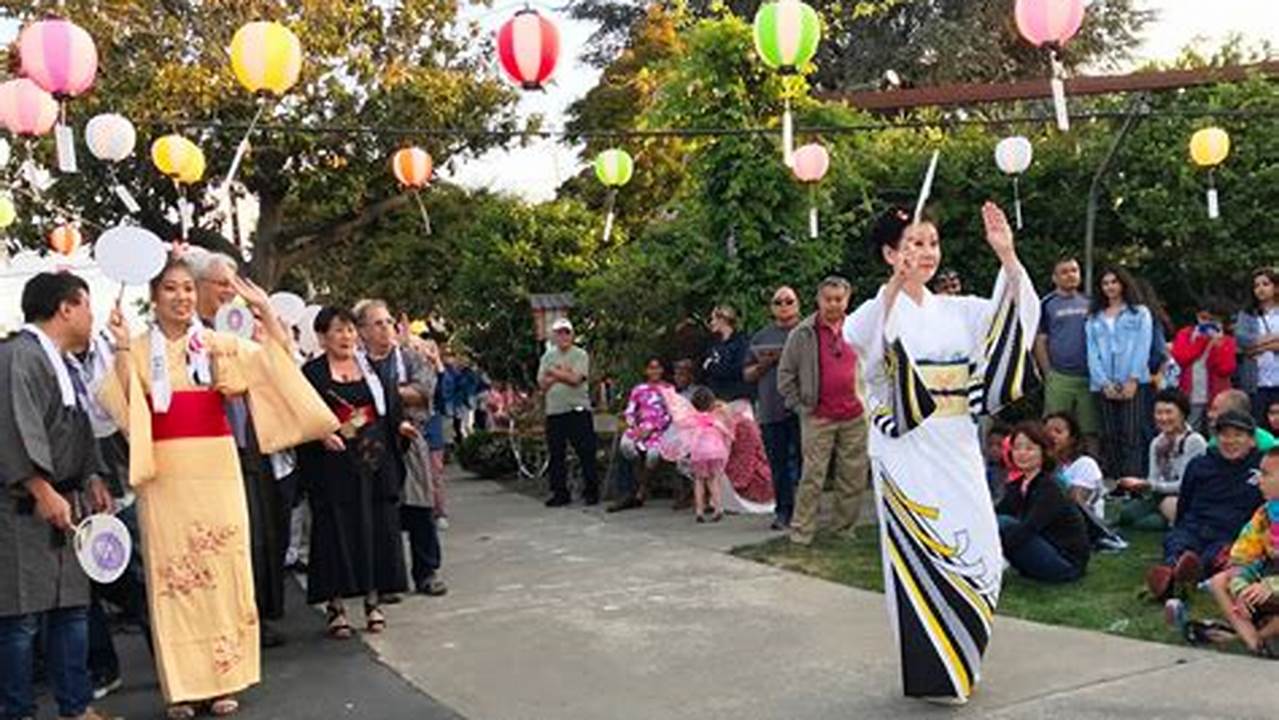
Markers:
978,94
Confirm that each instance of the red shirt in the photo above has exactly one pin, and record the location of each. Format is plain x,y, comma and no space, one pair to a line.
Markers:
837,398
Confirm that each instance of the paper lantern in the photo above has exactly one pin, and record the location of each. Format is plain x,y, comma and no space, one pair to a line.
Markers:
65,239
8,213
266,57
1049,22
811,163
4,153
528,47
59,56
1210,147
787,34
178,158
1013,156
26,108
614,167
412,167
110,137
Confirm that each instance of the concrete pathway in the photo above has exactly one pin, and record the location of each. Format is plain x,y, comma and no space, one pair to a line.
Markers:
572,614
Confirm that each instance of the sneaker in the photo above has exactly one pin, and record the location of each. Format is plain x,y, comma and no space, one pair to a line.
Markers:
103,687
1112,544
797,539
558,501
1187,570
1159,581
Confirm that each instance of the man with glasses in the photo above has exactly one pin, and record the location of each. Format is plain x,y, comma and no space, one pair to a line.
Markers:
563,376
379,335
817,378
779,425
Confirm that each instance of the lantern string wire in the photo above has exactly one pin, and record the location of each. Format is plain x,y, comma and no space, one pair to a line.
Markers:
690,132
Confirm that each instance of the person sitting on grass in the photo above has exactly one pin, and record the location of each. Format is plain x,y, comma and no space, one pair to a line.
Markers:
996,470
1042,531
1248,591
1238,401
1152,501
1081,479
1218,495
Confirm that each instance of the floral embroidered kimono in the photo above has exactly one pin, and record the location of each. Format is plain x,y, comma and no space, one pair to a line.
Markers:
185,470
930,368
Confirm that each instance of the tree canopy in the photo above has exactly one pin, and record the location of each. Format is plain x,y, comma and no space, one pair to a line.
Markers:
164,65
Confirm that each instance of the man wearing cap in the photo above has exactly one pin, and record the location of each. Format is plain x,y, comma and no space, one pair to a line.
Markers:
48,462
1218,495
562,375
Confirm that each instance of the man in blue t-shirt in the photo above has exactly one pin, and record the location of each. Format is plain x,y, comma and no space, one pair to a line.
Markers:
1062,353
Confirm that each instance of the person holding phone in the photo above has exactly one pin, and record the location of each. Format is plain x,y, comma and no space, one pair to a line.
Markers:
1207,356
779,425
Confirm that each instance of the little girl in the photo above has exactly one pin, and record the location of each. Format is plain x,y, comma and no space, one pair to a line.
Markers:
700,440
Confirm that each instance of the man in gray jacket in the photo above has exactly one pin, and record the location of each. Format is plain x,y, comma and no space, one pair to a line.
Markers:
817,378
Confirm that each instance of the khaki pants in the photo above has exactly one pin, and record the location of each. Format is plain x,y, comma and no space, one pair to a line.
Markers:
826,443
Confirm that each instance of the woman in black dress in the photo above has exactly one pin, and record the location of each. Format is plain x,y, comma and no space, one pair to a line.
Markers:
355,480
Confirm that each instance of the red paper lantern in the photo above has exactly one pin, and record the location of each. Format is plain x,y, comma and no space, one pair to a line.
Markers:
529,47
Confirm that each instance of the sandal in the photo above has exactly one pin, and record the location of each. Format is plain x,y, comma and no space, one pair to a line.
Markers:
375,620
339,628
181,711
224,706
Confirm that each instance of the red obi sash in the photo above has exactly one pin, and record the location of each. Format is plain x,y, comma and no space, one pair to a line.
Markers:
192,414
357,417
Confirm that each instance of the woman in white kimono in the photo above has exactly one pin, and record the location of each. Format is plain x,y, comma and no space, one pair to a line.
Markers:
932,363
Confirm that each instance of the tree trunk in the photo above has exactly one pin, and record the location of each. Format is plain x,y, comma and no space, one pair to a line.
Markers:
265,267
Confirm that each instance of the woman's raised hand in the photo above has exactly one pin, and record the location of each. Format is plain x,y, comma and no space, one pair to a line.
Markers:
999,234
255,296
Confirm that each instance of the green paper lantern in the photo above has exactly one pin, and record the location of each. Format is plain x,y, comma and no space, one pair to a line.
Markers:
786,34
614,167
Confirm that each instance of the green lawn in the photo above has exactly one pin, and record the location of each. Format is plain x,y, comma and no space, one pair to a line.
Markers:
1111,598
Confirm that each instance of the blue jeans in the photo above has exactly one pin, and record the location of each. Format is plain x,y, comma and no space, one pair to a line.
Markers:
66,662
1039,559
785,460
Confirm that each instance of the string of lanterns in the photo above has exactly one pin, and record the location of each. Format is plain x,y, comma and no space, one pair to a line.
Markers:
59,62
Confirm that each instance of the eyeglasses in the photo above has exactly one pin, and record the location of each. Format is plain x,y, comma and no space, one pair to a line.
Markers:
784,301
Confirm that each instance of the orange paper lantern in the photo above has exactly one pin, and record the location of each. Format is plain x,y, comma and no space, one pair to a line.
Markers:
65,239
412,167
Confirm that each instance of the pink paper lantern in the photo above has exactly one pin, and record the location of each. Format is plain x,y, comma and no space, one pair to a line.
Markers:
811,163
26,109
60,56
1049,22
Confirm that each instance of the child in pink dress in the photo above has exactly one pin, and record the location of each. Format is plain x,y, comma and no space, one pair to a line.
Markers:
700,439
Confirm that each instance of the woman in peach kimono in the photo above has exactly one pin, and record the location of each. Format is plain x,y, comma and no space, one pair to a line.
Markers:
167,393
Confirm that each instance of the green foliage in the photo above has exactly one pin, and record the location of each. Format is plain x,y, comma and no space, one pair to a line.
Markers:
507,250
164,64
487,454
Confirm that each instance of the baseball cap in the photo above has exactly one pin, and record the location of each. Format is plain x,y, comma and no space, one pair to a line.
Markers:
1235,419
562,324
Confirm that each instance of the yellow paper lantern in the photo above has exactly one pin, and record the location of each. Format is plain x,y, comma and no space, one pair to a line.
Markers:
8,213
1210,147
266,57
178,158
